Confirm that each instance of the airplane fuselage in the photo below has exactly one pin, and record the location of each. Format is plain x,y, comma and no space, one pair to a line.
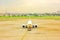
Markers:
29,25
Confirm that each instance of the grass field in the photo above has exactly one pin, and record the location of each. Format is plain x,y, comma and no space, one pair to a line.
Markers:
40,17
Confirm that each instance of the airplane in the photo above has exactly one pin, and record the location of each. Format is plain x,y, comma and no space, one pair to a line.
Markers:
29,25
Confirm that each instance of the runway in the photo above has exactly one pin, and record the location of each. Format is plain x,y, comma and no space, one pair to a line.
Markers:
47,30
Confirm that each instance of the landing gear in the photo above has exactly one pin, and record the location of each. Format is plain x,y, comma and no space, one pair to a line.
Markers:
29,29
26,26
33,26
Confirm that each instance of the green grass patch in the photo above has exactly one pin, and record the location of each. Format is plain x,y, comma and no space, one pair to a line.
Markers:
40,17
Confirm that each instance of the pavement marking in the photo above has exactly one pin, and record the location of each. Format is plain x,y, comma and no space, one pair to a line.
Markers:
24,35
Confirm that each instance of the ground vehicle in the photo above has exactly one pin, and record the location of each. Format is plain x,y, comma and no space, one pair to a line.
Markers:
29,25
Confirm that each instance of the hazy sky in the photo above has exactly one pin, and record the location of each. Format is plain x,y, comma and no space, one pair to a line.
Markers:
29,6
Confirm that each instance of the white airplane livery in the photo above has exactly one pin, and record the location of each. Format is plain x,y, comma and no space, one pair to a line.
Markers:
29,25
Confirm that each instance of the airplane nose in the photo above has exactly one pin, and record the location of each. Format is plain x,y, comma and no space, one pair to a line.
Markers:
29,22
